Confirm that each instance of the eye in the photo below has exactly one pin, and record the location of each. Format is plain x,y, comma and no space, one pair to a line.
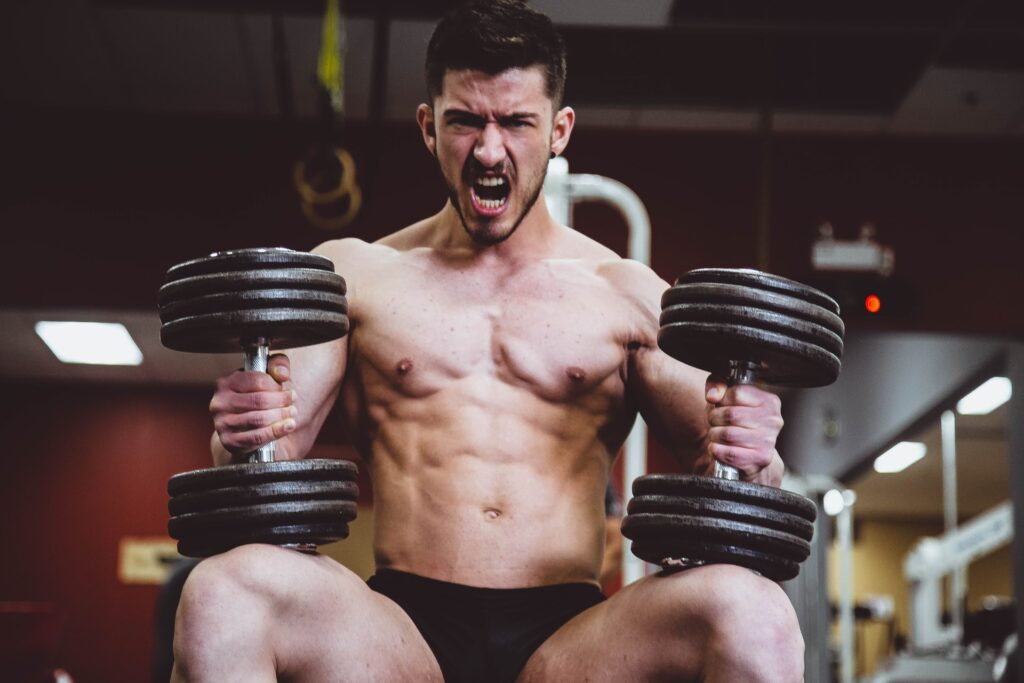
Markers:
463,122
516,123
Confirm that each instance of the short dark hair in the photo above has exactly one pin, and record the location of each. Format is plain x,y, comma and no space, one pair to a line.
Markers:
493,36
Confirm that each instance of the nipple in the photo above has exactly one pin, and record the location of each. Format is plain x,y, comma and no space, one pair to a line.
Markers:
576,374
404,366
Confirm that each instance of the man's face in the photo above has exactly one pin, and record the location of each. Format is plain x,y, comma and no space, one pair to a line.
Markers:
492,136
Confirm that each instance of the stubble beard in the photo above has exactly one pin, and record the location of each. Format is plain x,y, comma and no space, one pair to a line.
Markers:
485,234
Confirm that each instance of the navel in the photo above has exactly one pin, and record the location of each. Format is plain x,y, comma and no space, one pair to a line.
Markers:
404,366
576,374
492,513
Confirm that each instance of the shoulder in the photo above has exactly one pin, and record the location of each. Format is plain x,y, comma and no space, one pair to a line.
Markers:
633,280
353,255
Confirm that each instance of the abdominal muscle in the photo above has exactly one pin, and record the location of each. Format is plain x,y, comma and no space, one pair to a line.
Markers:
485,484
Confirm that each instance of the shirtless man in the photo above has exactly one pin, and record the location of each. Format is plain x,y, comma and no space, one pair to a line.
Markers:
496,362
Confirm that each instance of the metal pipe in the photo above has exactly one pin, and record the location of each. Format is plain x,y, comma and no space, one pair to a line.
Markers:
844,557
562,190
958,580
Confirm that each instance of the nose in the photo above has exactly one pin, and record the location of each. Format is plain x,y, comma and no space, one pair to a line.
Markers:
490,145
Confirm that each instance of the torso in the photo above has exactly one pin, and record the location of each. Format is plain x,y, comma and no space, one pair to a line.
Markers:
491,400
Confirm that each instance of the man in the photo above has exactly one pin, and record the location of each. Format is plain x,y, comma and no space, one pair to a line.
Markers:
496,362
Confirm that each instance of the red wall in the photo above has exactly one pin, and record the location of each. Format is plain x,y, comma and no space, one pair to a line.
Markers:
103,206
85,466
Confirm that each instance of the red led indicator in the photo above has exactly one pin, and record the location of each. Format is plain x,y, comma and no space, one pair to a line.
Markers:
873,304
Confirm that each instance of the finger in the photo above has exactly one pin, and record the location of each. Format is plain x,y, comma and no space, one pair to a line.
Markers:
279,367
747,460
714,390
740,437
253,420
749,395
251,440
234,402
247,381
743,416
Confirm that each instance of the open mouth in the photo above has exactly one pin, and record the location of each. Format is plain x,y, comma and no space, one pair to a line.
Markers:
490,194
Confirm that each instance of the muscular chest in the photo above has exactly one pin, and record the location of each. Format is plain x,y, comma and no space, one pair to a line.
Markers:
558,332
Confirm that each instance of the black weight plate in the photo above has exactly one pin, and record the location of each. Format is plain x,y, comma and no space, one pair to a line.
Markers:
662,527
260,515
253,299
726,489
274,492
774,568
745,316
723,509
283,328
248,259
784,361
737,295
253,473
312,534
242,280
756,279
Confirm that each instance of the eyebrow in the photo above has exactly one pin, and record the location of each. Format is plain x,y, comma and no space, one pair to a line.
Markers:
453,113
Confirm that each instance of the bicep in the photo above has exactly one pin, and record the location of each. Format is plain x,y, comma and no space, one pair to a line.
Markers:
316,376
670,397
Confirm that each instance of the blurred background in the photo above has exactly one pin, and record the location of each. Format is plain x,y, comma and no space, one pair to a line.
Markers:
873,149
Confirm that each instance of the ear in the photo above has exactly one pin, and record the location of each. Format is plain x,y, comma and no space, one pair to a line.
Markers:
425,120
561,129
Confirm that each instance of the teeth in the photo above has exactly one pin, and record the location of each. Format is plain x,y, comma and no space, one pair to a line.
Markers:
490,182
490,203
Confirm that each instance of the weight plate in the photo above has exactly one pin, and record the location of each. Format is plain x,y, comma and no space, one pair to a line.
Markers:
774,568
784,361
254,299
283,328
746,316
241,280
756,279
713,293
249,259
312,534
273,492
664,528
724,509
260,515
726,489
253,473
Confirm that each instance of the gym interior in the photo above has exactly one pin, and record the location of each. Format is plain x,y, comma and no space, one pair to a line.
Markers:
871,151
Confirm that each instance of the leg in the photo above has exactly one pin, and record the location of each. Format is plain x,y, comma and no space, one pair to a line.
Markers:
259,613
714,623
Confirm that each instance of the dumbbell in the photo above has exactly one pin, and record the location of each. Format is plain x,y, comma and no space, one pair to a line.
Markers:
746,326
254,300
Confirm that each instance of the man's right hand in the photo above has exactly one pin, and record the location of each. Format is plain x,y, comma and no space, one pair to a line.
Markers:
253,408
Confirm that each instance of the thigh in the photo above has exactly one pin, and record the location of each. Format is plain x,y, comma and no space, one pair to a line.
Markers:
314,618
660,628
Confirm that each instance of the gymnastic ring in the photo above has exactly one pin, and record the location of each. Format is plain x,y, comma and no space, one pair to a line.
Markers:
348,180
355,201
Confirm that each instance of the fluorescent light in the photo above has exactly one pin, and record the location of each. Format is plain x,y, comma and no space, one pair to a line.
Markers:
900,457
986,398
92,343
832,502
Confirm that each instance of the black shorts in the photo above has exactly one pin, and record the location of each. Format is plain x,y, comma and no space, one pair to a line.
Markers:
483,634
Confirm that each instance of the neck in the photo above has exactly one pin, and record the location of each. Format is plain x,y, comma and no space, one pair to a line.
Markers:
533,236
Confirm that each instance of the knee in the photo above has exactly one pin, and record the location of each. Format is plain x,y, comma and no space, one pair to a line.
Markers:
750,621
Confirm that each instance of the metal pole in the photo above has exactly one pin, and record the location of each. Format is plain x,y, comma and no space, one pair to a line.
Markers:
844,557
958,580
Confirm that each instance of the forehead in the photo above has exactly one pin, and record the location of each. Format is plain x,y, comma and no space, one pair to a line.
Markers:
512,90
